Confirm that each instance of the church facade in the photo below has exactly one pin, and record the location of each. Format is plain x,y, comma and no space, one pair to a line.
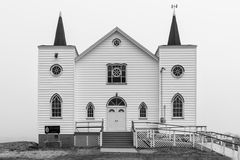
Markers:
116,81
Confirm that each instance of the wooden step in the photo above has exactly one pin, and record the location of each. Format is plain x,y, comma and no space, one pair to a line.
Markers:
117,139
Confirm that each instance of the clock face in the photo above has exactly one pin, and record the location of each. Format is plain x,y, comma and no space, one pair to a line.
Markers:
56,69
177,71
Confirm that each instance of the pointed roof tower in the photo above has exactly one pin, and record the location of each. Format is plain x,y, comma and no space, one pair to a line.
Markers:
174,38
60,35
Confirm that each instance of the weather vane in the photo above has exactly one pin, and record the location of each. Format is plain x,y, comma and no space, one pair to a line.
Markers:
174,6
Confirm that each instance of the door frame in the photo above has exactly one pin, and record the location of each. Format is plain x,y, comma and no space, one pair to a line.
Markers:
107,125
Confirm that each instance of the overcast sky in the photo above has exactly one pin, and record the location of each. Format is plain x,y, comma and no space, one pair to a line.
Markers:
212,25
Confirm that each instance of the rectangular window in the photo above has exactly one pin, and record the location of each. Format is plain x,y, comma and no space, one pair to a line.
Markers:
116,73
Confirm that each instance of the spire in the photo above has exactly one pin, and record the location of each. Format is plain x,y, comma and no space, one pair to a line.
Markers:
174,38
60,35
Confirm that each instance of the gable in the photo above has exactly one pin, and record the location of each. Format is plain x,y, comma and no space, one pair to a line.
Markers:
119,31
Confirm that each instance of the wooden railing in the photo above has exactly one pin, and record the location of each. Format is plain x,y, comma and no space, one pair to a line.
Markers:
157,125
152,135
89,126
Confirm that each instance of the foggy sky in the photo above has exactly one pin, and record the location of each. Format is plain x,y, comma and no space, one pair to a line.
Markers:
212,25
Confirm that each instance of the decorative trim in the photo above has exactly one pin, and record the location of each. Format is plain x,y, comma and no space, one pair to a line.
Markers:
183,71
183,101
116,29
116,96
56,75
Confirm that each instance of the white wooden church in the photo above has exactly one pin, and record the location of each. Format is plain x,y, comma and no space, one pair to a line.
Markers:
113,83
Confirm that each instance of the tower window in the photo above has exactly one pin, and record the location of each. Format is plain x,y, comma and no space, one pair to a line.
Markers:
177,102
56,102
90,110
116,73
142,110
177,71
56,69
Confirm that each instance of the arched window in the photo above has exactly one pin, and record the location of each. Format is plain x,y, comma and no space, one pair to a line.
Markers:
116,101
177,102
56,102
90,110
143,110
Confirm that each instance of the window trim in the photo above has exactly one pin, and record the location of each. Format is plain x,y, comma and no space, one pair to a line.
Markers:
93,108
143,104
178,65
54,75
116,39
116,83
183,104
61,101
125,103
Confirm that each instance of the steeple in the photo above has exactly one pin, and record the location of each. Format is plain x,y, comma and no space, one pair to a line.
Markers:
60,35
174,38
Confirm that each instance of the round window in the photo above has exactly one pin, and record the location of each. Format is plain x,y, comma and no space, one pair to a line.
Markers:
116,42
177,71
56,69
116,72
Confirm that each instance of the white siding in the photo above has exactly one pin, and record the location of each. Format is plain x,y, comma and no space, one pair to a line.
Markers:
186,85
91,79
63,85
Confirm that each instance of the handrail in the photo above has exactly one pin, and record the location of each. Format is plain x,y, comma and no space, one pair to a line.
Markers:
166,124
133,128
88,124
221,134
170,126
102,126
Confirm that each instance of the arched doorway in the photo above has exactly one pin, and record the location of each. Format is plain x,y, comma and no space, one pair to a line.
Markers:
116,114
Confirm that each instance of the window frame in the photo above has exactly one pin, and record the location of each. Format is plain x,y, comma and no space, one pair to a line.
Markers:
142,105
183,71
116,83
54,96
90,104
183,104
56,75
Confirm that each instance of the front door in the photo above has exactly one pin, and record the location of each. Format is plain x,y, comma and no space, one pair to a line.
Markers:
116,118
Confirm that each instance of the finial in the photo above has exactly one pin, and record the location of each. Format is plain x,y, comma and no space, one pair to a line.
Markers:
174,6
60,14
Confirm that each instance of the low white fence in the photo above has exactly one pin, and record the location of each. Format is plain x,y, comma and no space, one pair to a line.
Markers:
171,136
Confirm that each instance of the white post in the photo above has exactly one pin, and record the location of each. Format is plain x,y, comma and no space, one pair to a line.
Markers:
223,148
193,137
136,139
238,156
233,149
202,142
174,138
100,139
153,138
211,143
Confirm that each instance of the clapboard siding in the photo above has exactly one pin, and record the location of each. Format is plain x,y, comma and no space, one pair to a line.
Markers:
91,80
63,85
186,85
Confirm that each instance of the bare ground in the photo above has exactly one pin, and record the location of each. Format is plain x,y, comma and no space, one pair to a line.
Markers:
28,151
